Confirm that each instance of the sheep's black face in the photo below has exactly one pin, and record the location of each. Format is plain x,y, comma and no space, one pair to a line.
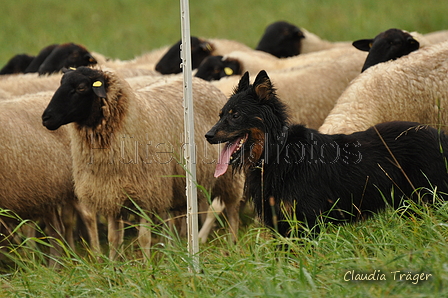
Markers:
281,39
66,55
388,45
74,100
250,114
215,68
170,63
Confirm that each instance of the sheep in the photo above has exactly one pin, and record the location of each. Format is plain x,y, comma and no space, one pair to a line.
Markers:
37,61
200,49
20,84
124,145
17,64
437,36
390,43
311,90
64,56
52,59
238,62
281,39
412,88
214,68
35,168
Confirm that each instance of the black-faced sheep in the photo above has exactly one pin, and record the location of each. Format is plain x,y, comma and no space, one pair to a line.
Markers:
390,43
17,64
40,58
412,88
200,49
65,56
281,39
35,168
128,144
387,45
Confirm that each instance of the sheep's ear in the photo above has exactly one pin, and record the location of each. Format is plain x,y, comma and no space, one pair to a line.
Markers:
263,86
90,58
363,44
98,88
413,41
206,46
67,70
244,83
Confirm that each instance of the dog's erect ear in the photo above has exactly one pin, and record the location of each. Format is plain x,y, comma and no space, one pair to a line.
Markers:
244,83
99,89
263,86
363,44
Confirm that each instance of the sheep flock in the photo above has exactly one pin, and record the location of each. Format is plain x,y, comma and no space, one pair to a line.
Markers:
89,142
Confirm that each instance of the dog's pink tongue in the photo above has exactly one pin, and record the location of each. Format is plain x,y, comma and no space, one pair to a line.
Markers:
224,158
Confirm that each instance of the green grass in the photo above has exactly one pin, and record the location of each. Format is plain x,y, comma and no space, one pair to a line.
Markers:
253,267
258,265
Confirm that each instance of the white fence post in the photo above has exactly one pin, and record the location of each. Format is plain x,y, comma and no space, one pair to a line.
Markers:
190,150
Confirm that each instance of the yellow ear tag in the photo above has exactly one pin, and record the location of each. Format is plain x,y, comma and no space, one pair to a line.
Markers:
228,71
209,47
72,68
97,84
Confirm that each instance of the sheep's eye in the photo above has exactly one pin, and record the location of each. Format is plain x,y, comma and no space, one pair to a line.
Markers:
81,88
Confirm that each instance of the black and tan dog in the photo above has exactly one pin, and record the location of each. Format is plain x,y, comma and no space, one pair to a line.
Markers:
308,176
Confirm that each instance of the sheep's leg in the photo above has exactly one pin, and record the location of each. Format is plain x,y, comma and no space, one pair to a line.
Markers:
214,209
115,235
68,218
89,219
144,237
55,230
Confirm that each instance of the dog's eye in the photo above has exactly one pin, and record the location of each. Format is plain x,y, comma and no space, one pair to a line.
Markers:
235,115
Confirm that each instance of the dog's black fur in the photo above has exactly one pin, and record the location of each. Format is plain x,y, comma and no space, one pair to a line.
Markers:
311,176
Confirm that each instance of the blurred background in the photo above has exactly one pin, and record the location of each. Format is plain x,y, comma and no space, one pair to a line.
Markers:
127,28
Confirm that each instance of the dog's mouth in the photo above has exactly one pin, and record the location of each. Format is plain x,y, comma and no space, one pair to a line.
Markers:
230,154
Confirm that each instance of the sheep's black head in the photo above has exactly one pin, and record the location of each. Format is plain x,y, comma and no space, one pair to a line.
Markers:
170,63
40,58
388,45
66,55
17,64
217,67
78,99
281,39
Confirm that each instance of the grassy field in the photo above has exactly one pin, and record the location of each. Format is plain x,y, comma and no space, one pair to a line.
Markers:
400,255
127,28
408,251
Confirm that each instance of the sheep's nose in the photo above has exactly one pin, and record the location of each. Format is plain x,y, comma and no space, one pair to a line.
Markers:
45,117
